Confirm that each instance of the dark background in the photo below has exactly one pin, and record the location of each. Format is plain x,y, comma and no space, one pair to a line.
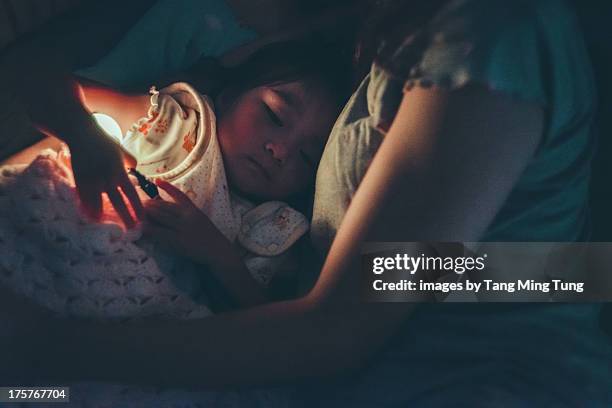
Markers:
596,18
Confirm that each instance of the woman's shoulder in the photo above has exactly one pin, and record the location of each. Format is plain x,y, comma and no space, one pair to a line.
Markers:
507,45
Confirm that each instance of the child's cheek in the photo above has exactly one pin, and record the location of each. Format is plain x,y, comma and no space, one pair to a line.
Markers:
250,132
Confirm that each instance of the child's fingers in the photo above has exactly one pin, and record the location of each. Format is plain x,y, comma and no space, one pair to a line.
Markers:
166,213
159,234
160,206
162,218
174,192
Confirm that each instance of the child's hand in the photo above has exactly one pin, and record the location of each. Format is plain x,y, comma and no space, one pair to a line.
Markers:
180,225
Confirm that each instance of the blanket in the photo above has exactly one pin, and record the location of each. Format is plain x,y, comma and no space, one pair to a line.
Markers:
52,254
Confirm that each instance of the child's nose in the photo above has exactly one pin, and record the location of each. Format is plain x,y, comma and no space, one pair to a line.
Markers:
278,151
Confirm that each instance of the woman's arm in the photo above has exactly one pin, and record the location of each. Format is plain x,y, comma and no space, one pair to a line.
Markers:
444,169
52,98
124,108
28,154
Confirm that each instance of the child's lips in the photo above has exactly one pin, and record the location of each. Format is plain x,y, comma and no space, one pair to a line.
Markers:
260,168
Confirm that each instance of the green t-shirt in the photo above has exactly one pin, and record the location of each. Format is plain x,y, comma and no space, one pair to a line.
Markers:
531,50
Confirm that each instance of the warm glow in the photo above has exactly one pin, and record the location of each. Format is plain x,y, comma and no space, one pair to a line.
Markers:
109,125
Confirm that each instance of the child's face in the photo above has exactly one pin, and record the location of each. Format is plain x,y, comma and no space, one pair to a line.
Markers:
272,138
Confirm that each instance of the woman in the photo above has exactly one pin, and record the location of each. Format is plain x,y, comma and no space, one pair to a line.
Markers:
485,109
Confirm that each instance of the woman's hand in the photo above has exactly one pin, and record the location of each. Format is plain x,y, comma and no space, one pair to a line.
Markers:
55,103
98,166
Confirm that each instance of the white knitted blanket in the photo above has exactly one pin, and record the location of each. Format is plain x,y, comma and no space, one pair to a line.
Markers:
52,254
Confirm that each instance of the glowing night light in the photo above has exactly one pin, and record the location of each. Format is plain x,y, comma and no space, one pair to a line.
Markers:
109,125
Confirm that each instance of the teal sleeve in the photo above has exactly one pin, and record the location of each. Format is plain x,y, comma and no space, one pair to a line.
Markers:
532,51
170,37
496,43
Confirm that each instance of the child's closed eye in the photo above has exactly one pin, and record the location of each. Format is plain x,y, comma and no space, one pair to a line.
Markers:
274,118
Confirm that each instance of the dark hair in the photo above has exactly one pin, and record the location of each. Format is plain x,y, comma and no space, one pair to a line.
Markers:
292,61
387,24
314,58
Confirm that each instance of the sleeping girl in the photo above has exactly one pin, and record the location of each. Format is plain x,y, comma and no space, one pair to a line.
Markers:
230,167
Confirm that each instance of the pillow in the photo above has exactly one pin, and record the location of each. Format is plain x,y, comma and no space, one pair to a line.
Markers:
170,37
